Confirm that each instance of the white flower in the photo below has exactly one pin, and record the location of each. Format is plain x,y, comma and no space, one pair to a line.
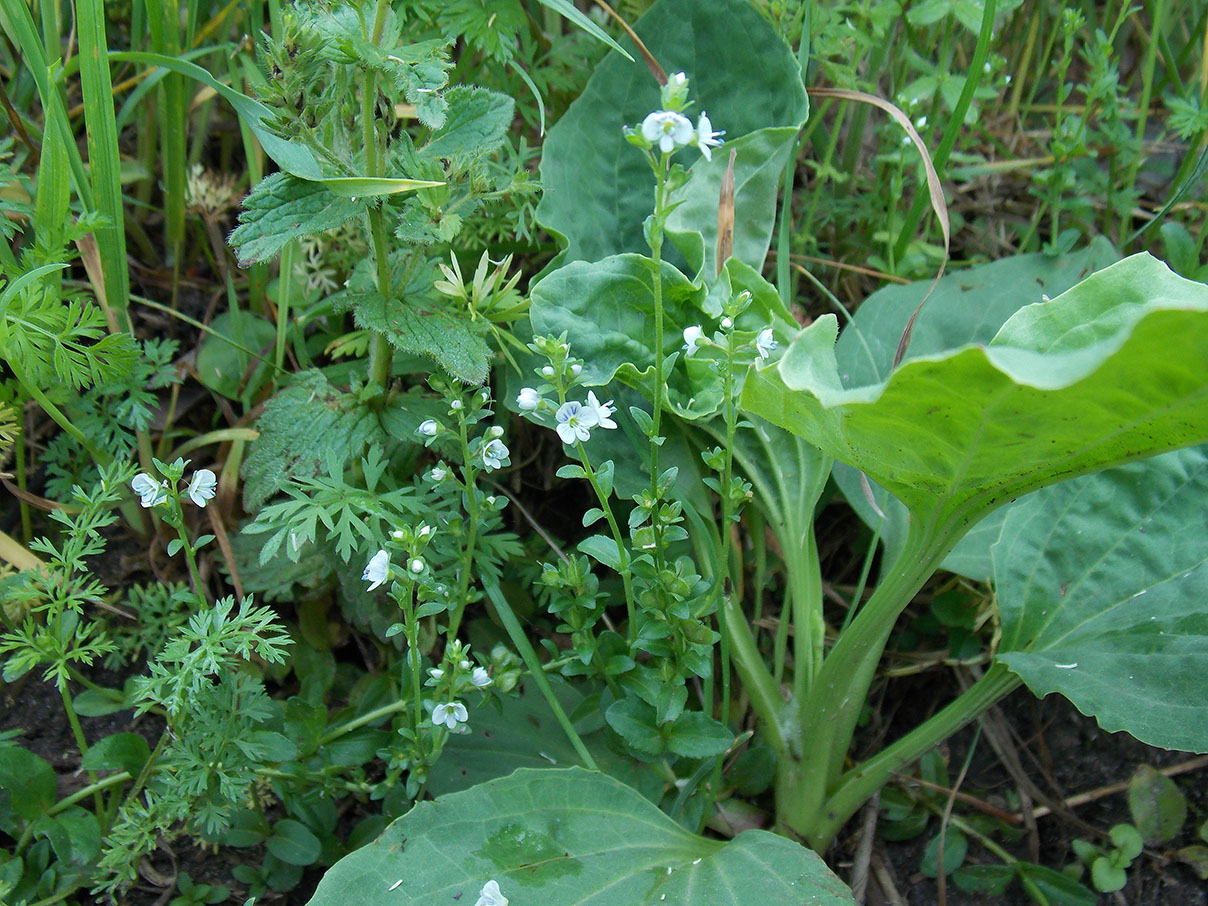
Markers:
450,715
528,399
765,342
548,371
668,129
726,323
378,570
202,487
151,492
494,431
438,473
436,673
480,677
692,336
491,895
428,427
493,454
416,566
706,138
574,420
576,369
603,411
423,531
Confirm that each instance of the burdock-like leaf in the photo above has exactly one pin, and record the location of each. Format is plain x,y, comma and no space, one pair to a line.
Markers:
568,836
1101,585
1114,370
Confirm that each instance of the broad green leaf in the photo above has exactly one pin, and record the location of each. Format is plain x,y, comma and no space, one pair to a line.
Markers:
477,123
598,187
74,833
695,734
1101,583
521,732
562,837
92,703
968,306
119,752
29,778
293,157
636,723
1113,370
1158,807
293,843
602,549
956,844
427,329
227,350
284,207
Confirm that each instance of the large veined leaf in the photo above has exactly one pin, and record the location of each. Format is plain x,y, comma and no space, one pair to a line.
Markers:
606,309
1113,370
598,188
569,836
968,306
1101,585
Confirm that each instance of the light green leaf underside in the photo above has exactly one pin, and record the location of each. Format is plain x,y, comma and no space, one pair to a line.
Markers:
1114,370
1102,583
968,306
598,187
569,836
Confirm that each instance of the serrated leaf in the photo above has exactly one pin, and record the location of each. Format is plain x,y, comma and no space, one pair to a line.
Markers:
477,123
598,188
283,207
1100,587
562,837
426,329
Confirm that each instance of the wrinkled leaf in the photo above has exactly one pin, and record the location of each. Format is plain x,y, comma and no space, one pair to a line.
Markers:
283,207
562,837
477,123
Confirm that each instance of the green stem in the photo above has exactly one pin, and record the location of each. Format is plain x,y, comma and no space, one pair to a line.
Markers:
617,537
78,732
524,646
102,458
358,722
656,258
470,474
854,787
92,789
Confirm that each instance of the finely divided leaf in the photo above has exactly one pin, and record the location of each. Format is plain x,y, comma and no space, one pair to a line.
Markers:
568,836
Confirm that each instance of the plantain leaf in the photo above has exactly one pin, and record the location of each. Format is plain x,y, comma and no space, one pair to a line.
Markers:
1101,583
598,188
569,836
969,306
1113,370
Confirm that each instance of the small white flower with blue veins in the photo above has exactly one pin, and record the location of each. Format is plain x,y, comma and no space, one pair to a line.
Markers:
667,129
494,453
692,336
150,492
203,487
706,138
480,678
450,714
765,342
528,399
603,411
491,895
378,570
575,421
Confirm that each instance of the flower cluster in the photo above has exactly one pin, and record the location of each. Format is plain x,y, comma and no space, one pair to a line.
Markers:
668,129
573,420
152,492
763,344
487,451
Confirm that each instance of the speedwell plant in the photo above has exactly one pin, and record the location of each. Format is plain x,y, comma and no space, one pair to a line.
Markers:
1023,376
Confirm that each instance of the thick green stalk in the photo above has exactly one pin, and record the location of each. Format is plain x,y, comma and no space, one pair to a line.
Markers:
858,784
828,714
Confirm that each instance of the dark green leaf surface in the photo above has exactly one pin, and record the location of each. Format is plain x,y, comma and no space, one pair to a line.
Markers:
477,123
283,207
562,837
1115,369
428,330
598,187
1101,586
969,306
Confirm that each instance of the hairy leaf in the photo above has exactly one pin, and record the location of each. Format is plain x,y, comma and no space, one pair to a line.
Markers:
477,123
284,207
